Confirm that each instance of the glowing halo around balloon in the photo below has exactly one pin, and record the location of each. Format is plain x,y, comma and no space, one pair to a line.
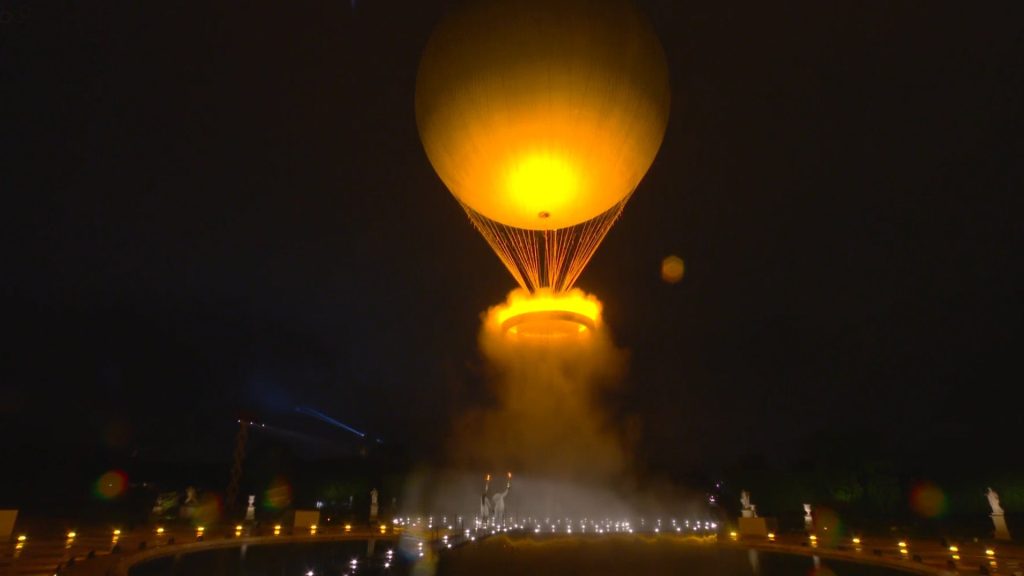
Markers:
541,117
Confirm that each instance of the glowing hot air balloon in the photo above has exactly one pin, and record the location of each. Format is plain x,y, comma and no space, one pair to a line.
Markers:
541,117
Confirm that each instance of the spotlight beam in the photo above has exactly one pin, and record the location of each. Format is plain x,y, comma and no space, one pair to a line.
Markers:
325,418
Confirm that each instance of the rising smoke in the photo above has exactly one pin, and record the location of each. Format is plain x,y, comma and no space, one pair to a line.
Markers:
547,426
547,421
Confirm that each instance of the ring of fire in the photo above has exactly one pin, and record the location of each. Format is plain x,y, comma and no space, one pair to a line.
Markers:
547,315
547,323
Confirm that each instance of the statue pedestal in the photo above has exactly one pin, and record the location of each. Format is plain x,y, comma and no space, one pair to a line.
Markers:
747,513
754,527
306,519
7,519
1001,531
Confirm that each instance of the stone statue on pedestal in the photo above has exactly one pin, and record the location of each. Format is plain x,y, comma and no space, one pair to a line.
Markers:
993,502
250,510
808,517
498,501
749,510
749,523
1002,532
373,504
485,503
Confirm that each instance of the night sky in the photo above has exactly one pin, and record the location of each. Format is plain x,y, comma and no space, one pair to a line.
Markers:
215,208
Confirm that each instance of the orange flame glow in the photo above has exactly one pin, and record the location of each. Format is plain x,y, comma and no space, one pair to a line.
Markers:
546,314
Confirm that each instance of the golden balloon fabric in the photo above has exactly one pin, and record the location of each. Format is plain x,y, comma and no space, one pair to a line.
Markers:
542,115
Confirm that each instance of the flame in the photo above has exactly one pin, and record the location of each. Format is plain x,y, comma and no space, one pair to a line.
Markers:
546,313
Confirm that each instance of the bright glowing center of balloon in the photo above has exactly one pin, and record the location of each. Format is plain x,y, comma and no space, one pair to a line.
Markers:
543,183
546,314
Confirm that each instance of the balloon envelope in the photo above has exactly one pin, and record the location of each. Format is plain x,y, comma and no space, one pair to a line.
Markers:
542,114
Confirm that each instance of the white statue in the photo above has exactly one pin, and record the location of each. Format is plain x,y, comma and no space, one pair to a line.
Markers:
749,510
498,501
993,501
808,517
373,504
250,510
485,503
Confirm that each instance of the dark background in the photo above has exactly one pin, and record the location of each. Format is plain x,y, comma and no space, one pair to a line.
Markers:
214,209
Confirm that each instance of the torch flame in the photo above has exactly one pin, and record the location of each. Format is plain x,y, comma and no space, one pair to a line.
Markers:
546,314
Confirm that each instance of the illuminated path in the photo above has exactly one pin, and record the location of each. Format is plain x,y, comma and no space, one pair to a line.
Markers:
919,556
42,557
37,557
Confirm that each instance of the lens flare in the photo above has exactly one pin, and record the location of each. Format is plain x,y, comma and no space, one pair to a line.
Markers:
111,484
672,269
279,495
928,500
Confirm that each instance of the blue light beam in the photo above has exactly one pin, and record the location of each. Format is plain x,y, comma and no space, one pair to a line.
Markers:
325,418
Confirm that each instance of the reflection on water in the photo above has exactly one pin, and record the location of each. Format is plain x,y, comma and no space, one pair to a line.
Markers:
622,556
500,556
296,559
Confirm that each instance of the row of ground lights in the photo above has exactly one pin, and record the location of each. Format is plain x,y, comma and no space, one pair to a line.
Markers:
902,545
